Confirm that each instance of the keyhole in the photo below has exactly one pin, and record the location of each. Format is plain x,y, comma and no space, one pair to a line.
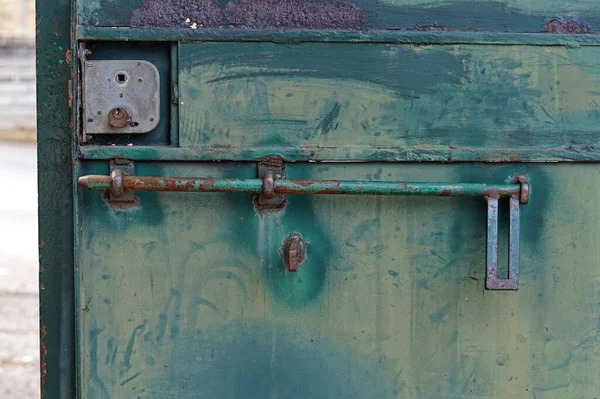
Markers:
121,77
118,118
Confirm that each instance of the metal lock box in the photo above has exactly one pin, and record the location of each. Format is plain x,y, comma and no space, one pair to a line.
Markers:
120,97
319,199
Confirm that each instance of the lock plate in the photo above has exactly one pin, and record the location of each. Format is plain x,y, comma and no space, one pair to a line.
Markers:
120,97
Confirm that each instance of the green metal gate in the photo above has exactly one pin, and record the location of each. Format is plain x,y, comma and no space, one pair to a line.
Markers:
319,199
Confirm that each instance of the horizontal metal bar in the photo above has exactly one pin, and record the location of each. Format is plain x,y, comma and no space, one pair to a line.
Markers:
335,36
283,186
393,188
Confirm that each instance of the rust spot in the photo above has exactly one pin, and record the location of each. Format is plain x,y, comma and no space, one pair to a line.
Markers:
492,194
445,193
511,158
42,288
41,244
305,14
70,92
566,25
68,57
274,161
304,183
474,278
205,185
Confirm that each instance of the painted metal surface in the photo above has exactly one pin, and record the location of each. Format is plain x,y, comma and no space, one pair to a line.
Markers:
388,101
56,216
389,301
495,15
337,36
185,295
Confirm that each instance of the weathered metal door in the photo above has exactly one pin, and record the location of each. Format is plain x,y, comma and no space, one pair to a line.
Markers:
319,199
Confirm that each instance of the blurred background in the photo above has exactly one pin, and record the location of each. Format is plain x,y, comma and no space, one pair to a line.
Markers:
19,343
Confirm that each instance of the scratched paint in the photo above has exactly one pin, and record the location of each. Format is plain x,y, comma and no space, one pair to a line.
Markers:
393,302
376,96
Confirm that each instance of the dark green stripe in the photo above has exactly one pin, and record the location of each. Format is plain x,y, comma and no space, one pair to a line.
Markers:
298,36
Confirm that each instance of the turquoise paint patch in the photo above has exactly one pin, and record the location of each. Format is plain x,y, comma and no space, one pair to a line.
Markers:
252,359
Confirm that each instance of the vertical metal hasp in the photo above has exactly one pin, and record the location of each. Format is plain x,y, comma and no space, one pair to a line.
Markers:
492,282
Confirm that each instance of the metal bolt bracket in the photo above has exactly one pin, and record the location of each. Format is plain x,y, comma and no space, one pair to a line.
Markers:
270,169
118,169
523,180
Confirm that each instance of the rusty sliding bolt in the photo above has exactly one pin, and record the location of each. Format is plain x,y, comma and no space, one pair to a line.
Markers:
315,187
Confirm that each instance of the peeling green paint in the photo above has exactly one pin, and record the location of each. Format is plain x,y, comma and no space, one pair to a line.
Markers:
407,97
